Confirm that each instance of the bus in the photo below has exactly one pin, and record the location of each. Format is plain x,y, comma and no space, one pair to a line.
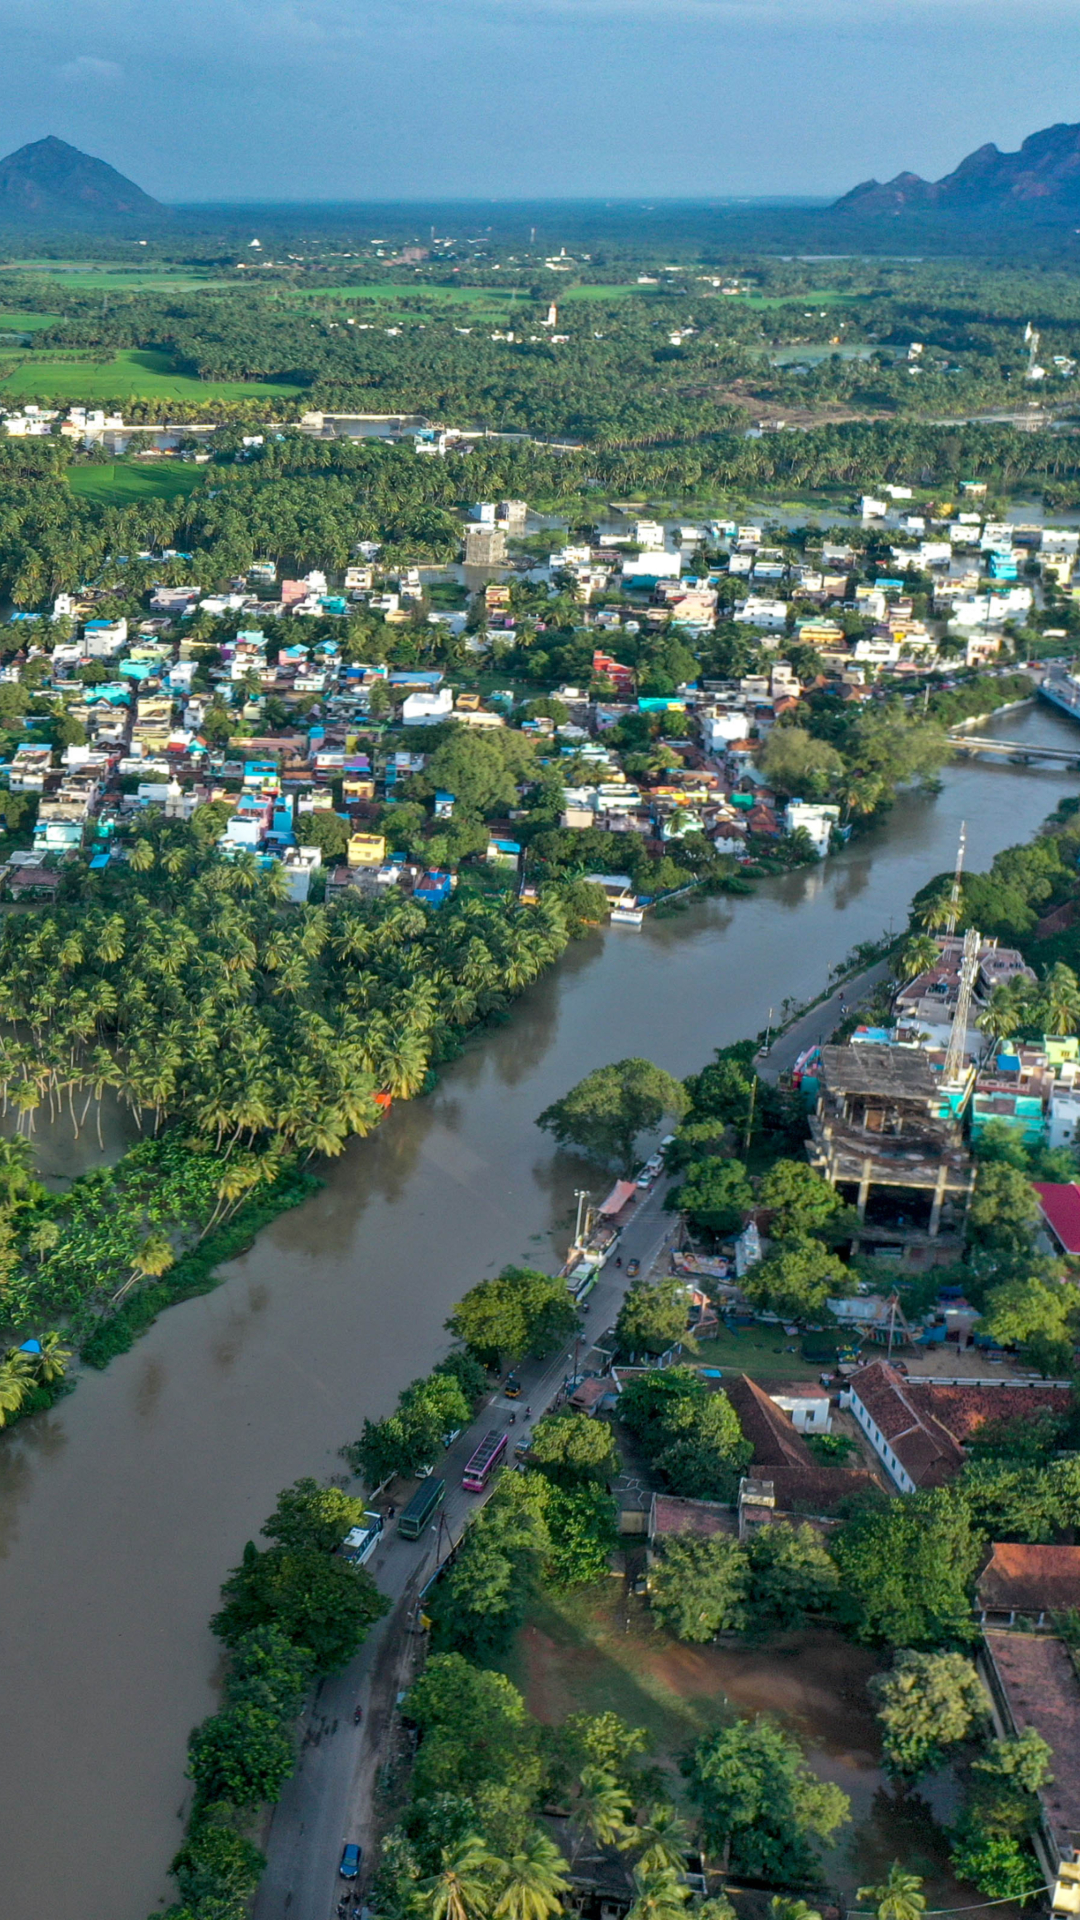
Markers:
489,1455
429,1495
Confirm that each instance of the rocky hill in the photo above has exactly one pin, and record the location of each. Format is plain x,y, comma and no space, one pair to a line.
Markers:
51,185
1041,183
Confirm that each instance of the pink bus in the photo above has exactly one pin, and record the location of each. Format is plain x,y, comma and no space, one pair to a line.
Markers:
479,1469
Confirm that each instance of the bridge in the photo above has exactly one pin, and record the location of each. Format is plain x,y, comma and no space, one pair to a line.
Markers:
1023,752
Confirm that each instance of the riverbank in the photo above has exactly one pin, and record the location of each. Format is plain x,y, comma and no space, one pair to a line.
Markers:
121,1509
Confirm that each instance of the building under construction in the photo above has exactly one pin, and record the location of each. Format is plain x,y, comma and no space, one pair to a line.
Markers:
886,1134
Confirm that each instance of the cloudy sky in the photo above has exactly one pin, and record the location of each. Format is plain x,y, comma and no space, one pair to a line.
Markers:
381,99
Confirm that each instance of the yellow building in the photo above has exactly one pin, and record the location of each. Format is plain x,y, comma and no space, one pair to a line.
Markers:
366,850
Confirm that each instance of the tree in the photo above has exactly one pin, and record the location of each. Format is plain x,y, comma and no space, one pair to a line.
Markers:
326,830
1060,996
792,1577
571,1449
690,1434
535,1881
802,1201
928,1704
664,1840
906,1570
217,1864
473,1728
653,1316
898,1897
1021,1311
481,770
797,1279
798,764
462,1888
917,955
520,1311
998,1864
604,1114
660,1894
1003,1211
319,1602
602,1809
243,1754
761,1807
606,1741
1023,1759
716,1194
698,1586
313,1518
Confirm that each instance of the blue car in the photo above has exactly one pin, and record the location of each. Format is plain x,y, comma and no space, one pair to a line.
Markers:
350,1861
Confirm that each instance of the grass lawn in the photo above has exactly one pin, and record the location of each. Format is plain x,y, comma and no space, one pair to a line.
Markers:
26,322
131,374
759,1351
124,482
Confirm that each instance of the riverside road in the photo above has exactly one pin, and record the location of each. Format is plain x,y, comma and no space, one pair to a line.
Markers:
328,1799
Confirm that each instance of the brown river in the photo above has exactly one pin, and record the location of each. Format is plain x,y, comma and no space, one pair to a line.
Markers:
121,1510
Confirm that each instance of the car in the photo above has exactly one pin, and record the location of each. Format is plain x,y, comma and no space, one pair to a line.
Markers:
644,1180
512,1389
633,1268
351,1856
655,1164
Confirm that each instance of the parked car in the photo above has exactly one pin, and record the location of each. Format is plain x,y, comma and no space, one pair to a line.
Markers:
351,1856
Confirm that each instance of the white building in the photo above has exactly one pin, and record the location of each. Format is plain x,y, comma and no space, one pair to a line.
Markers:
426,709
816,820
769,616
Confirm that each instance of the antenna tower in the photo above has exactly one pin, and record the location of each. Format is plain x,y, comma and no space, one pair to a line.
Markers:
953,1071
958,881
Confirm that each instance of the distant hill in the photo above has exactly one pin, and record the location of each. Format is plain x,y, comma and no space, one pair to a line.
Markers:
49,184
1040,183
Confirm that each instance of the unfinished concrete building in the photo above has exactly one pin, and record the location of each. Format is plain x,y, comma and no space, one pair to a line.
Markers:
886,1136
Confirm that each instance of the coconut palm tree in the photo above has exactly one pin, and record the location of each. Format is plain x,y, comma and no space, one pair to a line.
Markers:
898,1897
664,1839
917,955
536,1880
153,1258
658,1896
1060,996
51,1363
783,1908
462,1888
602,1810
1012,1005
936,912
16,1380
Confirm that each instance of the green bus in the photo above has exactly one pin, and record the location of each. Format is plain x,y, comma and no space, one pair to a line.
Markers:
429,1495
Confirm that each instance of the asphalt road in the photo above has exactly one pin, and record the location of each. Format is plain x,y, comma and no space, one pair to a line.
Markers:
327,1801
821,1021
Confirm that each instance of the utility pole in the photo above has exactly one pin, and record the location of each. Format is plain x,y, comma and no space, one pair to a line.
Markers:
750,1115
580,1194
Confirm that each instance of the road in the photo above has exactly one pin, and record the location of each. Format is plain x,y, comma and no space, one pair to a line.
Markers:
327,1802
816,1025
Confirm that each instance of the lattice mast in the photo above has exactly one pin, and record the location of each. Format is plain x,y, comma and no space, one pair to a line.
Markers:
956,896
956,1053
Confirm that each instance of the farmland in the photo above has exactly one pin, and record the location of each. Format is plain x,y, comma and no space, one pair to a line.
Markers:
133,373
123,483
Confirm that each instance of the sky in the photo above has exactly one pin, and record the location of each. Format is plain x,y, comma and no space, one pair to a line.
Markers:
503,99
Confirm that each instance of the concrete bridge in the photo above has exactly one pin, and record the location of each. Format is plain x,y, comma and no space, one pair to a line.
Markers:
1024,752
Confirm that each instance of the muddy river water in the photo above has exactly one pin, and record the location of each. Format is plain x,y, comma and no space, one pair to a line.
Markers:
121,1509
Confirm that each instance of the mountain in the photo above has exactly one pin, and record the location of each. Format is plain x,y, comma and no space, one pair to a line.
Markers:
1041,182
49,184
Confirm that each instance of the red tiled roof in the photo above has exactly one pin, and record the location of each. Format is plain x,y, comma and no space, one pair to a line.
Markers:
1024,1579
920,1441
1042,1690
767,1427
1061,1211
703,1517
963,1410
